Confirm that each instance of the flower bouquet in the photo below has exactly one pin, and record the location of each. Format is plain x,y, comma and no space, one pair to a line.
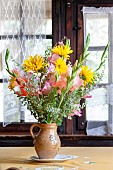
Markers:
50,86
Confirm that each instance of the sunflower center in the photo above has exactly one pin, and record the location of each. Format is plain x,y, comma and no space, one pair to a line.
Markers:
83,77
59,66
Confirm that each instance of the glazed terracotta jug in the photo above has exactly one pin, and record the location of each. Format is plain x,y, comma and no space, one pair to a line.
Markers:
47,141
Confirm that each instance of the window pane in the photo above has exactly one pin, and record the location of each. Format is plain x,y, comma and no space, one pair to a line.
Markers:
97,26
97,107
25,21
18,16
32,24
10,106
32,47
9,27
93,61
29,117
9,17
14,47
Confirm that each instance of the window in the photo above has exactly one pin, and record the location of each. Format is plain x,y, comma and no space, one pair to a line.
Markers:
98,22
97,25
26,29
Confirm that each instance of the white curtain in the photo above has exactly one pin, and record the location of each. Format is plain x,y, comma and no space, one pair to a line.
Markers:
103,127
22,30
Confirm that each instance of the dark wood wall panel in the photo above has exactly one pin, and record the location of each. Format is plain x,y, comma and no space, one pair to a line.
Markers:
70,141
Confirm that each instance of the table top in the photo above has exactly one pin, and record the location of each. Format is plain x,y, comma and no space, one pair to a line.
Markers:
89,158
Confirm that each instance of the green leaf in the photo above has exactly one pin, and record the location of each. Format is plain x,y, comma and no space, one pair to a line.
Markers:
67,42
6,61
86,45
103,57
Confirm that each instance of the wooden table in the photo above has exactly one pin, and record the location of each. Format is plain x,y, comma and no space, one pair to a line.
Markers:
90,158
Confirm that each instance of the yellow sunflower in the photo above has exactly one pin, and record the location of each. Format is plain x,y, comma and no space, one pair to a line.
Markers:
62,50
33,63
60,66
87,75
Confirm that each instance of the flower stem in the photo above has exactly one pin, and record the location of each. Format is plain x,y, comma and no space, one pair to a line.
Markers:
75,69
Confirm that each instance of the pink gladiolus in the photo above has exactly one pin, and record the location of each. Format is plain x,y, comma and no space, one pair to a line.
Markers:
76,62
51,68
59,92
51,77
39,92
47,88
53,58
87,96
75,112
61,83
61,43
77,83
17,72
22,80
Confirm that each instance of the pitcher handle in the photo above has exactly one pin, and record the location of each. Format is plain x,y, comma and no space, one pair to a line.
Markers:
31,130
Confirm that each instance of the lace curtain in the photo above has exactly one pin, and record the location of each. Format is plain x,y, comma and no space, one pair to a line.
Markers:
103,127
22,29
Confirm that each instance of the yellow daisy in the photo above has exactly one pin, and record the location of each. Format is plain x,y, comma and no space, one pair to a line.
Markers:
60,66
62,50
87,75
33,63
